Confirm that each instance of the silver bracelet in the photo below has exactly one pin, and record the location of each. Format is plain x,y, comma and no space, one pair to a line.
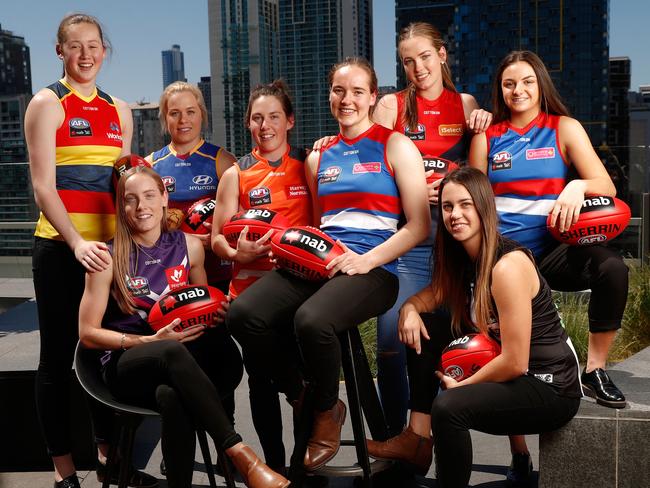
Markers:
122,342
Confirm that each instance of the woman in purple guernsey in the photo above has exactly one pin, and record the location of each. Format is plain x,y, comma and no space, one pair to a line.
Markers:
157,370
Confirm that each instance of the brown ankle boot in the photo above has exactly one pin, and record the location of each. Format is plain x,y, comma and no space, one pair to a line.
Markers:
255,473
325,437
408,447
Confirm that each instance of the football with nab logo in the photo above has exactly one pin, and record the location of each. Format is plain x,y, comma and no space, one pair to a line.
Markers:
259,222
199,213
192,304
466,355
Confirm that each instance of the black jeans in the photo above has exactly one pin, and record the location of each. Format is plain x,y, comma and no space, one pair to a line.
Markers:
316,312
165,377
59,285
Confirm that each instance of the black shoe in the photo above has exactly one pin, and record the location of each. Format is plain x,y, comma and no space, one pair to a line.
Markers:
136,479
70,482
163,467
599,386
520,471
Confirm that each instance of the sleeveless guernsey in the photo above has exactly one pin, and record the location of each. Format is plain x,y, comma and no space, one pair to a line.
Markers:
88,143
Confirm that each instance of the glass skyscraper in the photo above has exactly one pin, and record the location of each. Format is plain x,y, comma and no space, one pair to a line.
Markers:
173,65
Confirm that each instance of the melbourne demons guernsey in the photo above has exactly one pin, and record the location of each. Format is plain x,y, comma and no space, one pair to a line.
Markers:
156,271
358,196
88,143
189,178
528,172
279,186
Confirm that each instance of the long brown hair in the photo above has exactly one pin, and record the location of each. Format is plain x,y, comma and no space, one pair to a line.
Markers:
454,270
362,63
421,29
124,244
550,100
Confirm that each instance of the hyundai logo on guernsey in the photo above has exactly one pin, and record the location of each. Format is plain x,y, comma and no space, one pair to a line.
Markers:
501,160
202,180
330,175
80,127
259,196
170,183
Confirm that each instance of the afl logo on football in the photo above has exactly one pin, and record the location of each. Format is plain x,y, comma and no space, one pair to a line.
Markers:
330,174
170,183
202,180
454,371
259,196
592,239
501,160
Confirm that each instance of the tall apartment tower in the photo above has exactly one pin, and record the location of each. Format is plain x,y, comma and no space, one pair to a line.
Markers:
617,154
205,85
173,65
15,68
570,37
256,41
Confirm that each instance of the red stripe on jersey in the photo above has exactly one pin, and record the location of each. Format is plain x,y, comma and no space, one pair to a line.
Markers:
545,186
362,201
87,202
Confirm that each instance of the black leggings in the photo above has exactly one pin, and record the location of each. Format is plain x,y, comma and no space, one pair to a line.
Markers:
164,376
598,268
59,285
317,312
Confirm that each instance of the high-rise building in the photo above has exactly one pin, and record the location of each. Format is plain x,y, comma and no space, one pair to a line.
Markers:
147,134
256,41
570,37
205,86
173,65
639,165
616,154
15,68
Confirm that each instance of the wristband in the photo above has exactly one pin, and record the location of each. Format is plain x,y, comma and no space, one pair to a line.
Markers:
122,342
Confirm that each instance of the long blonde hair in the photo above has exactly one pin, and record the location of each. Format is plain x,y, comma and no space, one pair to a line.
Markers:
124,244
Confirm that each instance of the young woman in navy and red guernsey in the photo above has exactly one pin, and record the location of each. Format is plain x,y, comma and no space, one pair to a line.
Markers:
439,121
75,132
156,369
278,169
489,284
528,155
360,184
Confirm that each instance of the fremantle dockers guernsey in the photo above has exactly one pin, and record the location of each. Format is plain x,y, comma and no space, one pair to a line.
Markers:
88,143
527,171
279,186
157,270
358,196
189,178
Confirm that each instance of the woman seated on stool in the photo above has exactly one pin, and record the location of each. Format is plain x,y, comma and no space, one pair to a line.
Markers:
156,370
488,283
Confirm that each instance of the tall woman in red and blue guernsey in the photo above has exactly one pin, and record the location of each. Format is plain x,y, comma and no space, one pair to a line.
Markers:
530,156
74,132
192,169
360,184
491,285
438,120
279,168
157,370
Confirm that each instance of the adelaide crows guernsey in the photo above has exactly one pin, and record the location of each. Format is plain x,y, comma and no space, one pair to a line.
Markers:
528,172
357,192
88,143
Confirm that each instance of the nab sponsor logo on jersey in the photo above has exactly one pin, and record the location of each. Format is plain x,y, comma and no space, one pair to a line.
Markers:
202,180
80,127
418,134
450,130
170,183
540,153
176,276
330,175
305,240
259,196
371,167
501,160
138,286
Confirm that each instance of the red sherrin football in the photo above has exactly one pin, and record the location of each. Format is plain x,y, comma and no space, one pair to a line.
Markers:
124,164
199,212
440,166
466,355
305,251
193,304
259,222
601,219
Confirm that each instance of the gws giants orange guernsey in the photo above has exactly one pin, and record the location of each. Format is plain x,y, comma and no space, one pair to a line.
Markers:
279,186
88,142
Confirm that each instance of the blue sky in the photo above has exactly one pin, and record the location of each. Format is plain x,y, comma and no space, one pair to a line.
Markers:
141,29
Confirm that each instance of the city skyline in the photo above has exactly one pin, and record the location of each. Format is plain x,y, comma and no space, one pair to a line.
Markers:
133,70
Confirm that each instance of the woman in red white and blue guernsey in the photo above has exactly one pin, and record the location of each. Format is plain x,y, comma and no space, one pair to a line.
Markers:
75,132
360,183
529,155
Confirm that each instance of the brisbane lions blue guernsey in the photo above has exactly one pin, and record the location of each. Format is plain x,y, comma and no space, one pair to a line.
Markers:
358,196
528,172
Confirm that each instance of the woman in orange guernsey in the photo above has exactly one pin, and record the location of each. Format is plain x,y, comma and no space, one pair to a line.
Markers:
74,132
273,164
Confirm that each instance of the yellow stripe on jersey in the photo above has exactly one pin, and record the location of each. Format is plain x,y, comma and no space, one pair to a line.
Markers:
97,155
93,227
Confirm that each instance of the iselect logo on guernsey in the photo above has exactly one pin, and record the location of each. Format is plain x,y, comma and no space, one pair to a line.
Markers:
541,153
450,130
372,167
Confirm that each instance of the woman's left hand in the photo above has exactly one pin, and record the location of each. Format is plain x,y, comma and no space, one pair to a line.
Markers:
479,120
349,263
567,207
433,189
222,312
446,382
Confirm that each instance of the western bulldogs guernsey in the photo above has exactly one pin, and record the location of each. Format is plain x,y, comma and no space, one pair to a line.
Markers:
528,172
88,143
357,192
158,269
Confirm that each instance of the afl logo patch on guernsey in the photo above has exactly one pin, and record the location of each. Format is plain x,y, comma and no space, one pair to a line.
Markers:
417,135
170,183
138,286
501,160
259,196
330,175
80,127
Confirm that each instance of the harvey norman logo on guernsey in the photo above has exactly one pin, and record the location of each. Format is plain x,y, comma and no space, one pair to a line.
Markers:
541,153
